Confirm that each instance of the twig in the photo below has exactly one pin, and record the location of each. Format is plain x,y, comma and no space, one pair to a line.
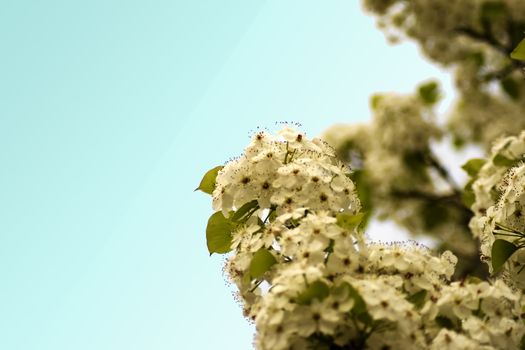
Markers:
432,160
483,37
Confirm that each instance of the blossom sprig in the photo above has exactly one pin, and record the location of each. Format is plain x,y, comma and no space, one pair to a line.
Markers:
284,171
419,193
308,278
498,202
477,39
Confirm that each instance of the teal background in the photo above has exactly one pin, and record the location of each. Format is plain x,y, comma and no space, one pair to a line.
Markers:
111,111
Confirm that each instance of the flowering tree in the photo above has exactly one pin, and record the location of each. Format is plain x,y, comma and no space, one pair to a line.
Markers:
292,212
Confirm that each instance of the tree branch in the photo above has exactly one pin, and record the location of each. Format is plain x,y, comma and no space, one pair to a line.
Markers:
484,38
432,161
502,73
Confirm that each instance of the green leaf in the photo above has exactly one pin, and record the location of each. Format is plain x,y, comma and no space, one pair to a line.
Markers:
348,221
316,290
207,184
511,87
273,215
341,291
359,309
359,303
473,166
346,289
468,196
418,299
473,280
444,322
364,192
501,251
458,142
501,160
261,262
429,92
240,214
519,52
219,234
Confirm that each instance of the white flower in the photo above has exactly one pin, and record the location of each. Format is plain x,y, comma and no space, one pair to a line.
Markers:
500,199
450,340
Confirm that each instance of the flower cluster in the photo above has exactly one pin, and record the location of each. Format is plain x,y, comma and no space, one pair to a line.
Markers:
474,37
395,148
448,31
499,202
349,141
372,297
284,172
415,195
308,279
482,117
475,315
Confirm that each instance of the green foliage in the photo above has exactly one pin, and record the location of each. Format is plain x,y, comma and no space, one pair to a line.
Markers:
429,92
244,212
348,221
444,322
502,250
219,233
501,160
316,290
364,192
272,215
511,87
418,299
473,166
261,262
207,184
519,51
468,197
359,309
458,142
473,280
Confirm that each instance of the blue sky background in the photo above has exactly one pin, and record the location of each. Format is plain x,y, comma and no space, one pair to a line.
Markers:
111,111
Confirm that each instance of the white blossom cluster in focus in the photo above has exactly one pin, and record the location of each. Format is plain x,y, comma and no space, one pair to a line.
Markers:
308,279
499,203
285,172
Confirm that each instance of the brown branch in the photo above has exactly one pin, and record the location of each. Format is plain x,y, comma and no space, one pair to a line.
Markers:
484,38
502,73
452,198
433,161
